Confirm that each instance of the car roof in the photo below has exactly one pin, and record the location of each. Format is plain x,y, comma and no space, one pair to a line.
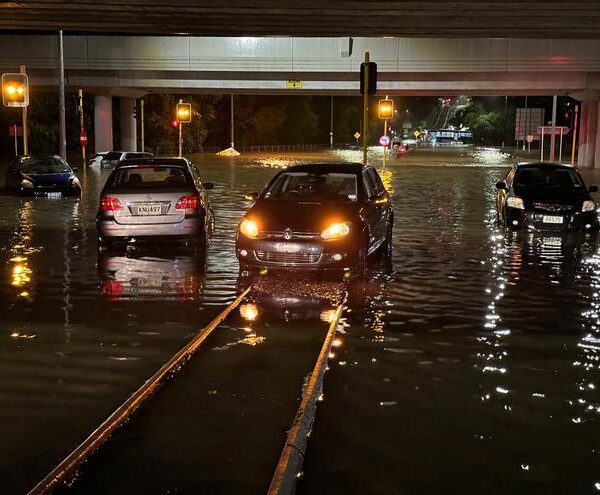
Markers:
347,167
543,164
154,160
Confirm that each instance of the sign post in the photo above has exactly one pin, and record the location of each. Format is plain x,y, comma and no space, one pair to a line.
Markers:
574,136
357,137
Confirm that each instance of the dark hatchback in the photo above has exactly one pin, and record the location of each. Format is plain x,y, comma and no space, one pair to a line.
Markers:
42,175
317,216
546,196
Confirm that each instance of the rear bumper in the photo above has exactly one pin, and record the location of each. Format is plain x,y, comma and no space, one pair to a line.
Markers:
585,221
296,255
186,229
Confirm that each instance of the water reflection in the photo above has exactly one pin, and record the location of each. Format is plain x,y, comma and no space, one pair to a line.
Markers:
145,275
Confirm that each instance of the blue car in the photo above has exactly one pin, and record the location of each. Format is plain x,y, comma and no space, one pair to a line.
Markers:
42,175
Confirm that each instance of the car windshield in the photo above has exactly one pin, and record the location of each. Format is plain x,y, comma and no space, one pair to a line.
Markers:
37,166
561,178
129,156
113,155
313,187
147,177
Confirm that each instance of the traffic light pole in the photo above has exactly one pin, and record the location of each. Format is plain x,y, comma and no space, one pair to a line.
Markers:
61,97
366,108
81,124
142,122
574,145
385,134
180,136
25,128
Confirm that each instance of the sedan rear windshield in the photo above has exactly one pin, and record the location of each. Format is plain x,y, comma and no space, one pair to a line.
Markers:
148,177
113,155
561,178
313,187
35,166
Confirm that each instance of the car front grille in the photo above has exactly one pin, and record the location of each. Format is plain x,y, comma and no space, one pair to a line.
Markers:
297,258
304,236
553,207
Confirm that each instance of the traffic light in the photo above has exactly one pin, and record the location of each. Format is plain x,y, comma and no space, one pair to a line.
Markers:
175,123
15,90
184,112
386,109
372,78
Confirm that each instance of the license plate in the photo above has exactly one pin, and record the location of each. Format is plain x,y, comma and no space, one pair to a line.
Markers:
285,247
552,219
148,210
54,195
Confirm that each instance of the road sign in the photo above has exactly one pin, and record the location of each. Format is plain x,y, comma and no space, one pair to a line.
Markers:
384,140
83,138
529,138
416,134
386,109
407,125
15,90
356,135
294,84
548,130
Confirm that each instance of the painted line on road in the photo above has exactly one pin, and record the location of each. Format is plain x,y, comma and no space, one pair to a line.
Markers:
66,470
291,459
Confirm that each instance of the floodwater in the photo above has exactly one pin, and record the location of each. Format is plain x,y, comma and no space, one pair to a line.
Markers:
471,365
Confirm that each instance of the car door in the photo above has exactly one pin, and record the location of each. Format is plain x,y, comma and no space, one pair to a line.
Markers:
372,210
382,205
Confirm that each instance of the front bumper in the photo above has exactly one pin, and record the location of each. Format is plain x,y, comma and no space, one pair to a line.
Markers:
299,255
529,219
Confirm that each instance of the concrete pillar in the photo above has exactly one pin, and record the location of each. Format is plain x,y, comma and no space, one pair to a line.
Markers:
589,131
103,130
128,126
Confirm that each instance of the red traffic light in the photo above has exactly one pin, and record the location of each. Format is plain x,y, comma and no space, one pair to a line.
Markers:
174,123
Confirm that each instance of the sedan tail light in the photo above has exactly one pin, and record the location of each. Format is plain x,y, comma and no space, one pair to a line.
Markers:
110,204
187,202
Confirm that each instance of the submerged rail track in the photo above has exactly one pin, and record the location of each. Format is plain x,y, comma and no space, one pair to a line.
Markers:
290,461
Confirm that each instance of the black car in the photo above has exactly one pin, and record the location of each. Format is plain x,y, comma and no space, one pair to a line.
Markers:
42,175
546,196
317,216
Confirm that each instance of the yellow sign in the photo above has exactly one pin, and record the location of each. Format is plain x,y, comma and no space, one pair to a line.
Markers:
356,135
294,84
416,134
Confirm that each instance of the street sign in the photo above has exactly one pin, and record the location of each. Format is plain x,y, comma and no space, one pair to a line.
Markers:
407,125
83,138
529,138
384,140
416,134
356,135
294,84
15,90
549,130
11,130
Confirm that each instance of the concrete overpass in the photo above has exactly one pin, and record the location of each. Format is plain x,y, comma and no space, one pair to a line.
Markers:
131,66
458,18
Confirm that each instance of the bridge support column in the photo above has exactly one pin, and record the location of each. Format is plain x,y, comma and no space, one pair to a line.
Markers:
128,125
103,128
589,135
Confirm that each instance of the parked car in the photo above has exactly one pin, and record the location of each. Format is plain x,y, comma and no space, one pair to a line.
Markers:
42,175
96,160
317,216
113,158
546,196
155,199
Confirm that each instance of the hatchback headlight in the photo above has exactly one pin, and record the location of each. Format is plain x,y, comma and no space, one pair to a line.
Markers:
336,231
26,184
515,202
588,205
249,228
75,182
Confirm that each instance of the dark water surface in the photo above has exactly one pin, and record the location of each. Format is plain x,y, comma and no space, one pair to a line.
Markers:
471,367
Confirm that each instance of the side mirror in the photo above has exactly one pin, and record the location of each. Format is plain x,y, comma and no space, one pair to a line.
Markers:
208,185
253,196
593,189
501,185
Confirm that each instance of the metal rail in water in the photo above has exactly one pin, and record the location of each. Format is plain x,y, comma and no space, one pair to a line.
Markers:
291,459
66,470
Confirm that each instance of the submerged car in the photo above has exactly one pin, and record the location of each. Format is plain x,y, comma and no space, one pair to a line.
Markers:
42,175
155,199
546,196
317,216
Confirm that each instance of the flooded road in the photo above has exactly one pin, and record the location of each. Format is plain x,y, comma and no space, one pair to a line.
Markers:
470,366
